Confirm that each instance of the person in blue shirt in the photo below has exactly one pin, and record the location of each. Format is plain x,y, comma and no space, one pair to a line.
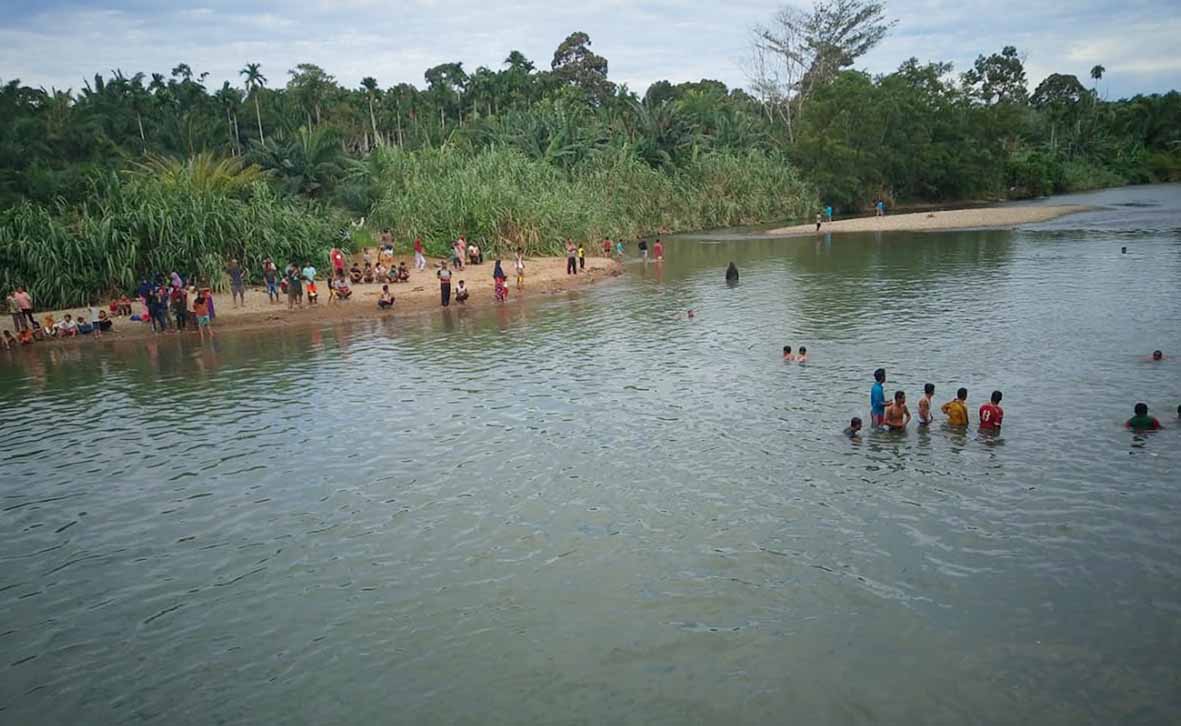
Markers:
877,399
828,212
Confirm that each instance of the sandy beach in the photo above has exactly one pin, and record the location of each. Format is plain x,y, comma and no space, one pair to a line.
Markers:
543,276
986,218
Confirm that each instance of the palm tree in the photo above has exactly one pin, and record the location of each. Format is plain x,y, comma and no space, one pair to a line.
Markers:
1097,73
369,83
255,80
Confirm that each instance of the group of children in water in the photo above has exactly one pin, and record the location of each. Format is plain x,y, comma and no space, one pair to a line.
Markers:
894,414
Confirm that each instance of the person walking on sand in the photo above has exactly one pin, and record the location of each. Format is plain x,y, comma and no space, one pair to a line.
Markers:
444,275
24,304
818,220
336,257
419,255
270,275
294,288
581,256
571,258
237,284
828,212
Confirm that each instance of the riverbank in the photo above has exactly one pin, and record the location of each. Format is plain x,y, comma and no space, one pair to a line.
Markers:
932,221
543,276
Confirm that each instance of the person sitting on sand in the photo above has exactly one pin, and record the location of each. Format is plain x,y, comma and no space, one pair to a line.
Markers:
356,275
474,255
787,354
854,427
49,323
1141,421
380,273
403,272
386,300
367,275
84,326
957,410
340,286
732,273
66,328
802,356
897,415
25,335
461,293
991,413
104,322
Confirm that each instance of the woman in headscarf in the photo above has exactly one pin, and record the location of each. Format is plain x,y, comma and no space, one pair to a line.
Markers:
176,283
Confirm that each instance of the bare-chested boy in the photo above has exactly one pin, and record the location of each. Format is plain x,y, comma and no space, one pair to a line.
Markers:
897,415
925,404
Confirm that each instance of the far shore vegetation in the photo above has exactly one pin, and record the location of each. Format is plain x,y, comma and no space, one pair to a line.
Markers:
134,173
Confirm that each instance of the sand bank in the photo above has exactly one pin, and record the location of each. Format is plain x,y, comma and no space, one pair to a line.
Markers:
543,276
990,217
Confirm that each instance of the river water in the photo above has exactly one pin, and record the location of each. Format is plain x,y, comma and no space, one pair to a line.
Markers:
593,509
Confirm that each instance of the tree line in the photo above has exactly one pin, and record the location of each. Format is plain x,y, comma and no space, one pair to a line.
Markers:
531,153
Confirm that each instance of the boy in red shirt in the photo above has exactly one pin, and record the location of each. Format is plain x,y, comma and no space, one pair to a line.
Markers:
991,414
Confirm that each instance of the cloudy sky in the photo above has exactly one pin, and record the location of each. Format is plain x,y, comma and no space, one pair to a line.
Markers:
55,43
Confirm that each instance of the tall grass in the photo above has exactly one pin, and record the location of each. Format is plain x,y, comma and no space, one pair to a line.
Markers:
146,224
504,199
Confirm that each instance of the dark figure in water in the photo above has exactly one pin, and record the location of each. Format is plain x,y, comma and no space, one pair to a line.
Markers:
731,273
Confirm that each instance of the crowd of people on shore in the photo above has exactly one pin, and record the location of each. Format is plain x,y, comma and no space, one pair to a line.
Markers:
174,303
27,330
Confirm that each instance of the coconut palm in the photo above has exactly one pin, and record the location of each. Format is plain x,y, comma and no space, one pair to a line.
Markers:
255,81
369,83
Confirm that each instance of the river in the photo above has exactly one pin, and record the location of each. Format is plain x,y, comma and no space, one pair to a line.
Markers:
592,508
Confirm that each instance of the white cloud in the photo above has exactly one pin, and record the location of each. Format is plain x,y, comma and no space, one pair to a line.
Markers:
677,40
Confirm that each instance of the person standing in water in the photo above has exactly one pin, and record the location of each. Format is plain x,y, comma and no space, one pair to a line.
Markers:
732,273
957,410
877,398
520,265
818,220
925,404
991,413
1141,421
658,250
643,247
897,415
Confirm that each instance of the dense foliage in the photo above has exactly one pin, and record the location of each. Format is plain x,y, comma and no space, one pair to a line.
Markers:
189,218
530,156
